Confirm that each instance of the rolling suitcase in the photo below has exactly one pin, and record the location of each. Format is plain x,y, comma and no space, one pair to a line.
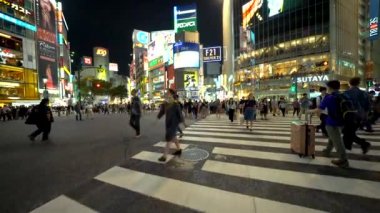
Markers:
303,139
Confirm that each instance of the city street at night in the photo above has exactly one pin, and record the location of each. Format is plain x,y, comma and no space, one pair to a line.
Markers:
222,106
98,166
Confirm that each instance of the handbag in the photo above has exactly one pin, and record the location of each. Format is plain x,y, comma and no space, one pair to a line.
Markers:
33,117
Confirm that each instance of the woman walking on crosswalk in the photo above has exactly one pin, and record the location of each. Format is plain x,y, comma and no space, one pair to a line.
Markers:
174,117
250,111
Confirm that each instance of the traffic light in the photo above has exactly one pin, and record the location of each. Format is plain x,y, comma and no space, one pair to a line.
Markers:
369,83
293,88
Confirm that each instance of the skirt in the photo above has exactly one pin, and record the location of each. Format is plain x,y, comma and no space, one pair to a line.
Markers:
249,114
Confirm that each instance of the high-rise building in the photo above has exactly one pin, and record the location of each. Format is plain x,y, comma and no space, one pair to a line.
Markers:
18,66
34,52
304,42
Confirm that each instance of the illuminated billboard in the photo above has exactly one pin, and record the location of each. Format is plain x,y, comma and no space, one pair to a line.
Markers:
47,44
190,80
87,61
185,18
275,7
263,9
99,51
249,10
163,46
113,67
141,37
374,20
186,55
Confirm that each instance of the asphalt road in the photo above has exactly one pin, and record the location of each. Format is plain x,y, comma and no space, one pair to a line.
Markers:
31,175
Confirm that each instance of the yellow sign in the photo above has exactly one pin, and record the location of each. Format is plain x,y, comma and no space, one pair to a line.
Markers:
101,51
190,80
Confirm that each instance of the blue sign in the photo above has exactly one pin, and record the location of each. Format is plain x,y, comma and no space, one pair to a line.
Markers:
185,46
143,37
18,22
374,20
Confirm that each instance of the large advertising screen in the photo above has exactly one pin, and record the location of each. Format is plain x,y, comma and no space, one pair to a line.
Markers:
263,9
162,45
186,55
185,18
47,44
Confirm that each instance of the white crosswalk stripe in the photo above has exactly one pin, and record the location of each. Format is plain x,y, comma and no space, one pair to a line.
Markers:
262,156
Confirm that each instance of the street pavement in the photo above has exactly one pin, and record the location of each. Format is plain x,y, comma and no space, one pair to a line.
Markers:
102,168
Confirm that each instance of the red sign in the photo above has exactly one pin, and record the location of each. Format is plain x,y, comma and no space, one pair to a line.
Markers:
87,60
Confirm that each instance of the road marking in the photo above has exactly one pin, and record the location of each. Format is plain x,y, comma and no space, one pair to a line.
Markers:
321,161
342,185
152,157
271,132
190,195
250,136
63,204
229,141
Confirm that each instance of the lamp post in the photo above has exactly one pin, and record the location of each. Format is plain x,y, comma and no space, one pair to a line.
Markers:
46,92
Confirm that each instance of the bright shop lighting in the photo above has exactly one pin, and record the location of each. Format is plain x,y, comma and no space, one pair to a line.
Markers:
18,22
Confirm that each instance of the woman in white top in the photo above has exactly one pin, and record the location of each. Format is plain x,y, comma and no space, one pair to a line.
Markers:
231,106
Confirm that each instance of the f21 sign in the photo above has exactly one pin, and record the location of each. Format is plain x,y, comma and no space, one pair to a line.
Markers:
212,54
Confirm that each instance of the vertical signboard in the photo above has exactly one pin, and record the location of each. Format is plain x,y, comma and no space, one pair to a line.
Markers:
185,18
47,43
374,20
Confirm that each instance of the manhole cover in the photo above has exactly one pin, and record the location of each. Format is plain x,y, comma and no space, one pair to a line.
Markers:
194,154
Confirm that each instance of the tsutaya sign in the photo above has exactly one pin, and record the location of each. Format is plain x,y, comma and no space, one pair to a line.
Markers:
313,78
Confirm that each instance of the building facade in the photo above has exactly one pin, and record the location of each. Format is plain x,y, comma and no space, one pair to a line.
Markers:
297,42
18,66
33,51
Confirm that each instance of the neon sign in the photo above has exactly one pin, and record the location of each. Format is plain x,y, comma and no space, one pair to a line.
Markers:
18,22
101,52
374,20
16,7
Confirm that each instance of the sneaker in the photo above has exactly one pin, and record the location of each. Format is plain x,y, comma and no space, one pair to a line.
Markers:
31,138
365,148
138,136
178,152
162,159
326,153
340,163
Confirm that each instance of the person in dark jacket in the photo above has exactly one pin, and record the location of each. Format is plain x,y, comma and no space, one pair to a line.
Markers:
44,119
174,117
135,112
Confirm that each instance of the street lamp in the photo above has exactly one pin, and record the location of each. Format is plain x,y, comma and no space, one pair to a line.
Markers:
46,92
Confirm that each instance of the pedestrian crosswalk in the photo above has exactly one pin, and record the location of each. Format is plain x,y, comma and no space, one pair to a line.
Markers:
245,172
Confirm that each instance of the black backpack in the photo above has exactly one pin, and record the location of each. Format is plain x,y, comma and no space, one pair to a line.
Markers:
345,111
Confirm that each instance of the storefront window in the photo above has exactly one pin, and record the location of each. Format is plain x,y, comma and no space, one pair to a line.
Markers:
17,83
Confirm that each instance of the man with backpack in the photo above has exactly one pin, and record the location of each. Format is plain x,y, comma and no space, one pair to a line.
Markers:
334,123
360,100
361,104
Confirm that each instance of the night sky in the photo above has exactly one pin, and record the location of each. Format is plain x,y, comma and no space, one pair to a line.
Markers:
110,23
